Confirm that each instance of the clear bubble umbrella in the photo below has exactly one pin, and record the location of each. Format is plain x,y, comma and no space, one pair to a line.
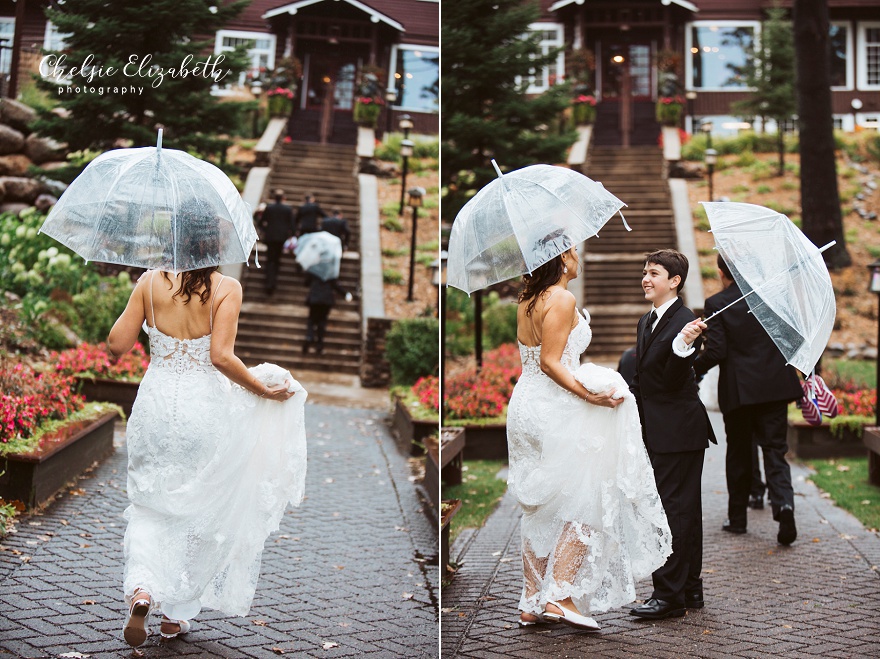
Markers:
782,275
320,253
523,219
153,208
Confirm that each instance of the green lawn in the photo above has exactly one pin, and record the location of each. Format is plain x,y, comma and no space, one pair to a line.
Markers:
862,372
480,492
846,481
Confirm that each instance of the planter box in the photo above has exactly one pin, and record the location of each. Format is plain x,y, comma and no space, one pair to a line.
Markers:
432,476
487,442
871,439
110,391
411,433
453,507
452,441
808,442
34,477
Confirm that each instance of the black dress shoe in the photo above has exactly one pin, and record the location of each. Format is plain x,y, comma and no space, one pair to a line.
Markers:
694,600
655,609
787,530
756,503
733,528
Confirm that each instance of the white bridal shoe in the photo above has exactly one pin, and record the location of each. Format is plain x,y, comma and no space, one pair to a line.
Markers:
135,628
571,618
183,627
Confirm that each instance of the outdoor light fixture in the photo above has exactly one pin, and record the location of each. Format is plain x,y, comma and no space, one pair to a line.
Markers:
390,98
415,202
617,59
406,150
874,269
711,158
856,104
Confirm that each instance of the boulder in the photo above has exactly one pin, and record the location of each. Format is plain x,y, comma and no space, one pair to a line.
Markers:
21,189
54,187
14,208
378,168
11,141
14,164
17,114
44,202
43,149
53,165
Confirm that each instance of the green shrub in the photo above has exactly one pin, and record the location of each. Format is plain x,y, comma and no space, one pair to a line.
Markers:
392,223
709,272
412,349
391,253
739,188
764,189
499,323
746,159
423,147
392,276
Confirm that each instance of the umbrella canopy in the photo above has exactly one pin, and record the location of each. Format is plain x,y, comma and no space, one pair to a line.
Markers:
153,208
783,275
320,253
523,219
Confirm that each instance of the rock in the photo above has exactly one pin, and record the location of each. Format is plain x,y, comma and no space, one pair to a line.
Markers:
860,197
52,165
22,189
871,216
871,184
853,354
14,208
11,297
64,113
43,149
378,168
869,353
17,114
14,164
44,202
54,187
11,141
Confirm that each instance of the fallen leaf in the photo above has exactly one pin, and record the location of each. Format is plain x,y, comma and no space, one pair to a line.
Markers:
328,480
407,596
259,623
496,553
88,602
74,655
277,650
787,626
339,567
330,644
866,502
775,581
816,540
25,559
65,522
447,610
842,468
707,631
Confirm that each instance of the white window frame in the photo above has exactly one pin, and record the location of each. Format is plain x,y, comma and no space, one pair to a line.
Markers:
689,43
219,48
862,61
849,55
544,75
53,40
6,52
392,71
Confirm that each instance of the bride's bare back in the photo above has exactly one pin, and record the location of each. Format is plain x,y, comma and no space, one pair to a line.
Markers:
173,317
530,327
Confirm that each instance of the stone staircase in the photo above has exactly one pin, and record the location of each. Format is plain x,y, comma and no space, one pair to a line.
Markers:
645,129
274,328
614,261
305,126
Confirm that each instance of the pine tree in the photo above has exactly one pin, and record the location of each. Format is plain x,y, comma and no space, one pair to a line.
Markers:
160,33
771,75
487,56
820,199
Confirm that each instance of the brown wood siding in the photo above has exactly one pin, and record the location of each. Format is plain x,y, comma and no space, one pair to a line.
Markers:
841,101
251,19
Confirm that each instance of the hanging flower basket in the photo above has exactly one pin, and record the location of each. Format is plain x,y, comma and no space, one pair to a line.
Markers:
669,109
367,110
280,102
583,110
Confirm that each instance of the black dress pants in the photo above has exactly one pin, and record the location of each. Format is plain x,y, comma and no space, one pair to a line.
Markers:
678,478
766,424
273,262
317,323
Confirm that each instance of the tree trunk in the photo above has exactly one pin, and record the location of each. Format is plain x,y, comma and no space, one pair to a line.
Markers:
820,201
780,145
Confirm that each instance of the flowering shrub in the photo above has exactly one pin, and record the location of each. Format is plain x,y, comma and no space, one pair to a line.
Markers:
281,91
483,395
280,101
859,403
669,109
90,360
583,110
366,110
427,390
30,398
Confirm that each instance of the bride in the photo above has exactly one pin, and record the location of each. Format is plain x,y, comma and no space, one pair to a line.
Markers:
592,520
211,464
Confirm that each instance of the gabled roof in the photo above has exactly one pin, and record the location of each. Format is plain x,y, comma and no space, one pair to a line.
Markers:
375,16
681,3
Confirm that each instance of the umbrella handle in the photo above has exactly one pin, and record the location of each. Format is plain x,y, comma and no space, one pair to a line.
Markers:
159,141
821,249
497,168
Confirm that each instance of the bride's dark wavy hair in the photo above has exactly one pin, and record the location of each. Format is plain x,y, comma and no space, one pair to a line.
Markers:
190,283
539,281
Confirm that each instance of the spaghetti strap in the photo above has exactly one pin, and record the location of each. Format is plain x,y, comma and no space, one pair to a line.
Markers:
152,311
211,317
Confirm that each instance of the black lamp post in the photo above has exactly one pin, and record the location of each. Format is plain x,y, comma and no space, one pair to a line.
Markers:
406,150
711,156
415,201
479,277
438,278
256,90
691,96
874,287
390,98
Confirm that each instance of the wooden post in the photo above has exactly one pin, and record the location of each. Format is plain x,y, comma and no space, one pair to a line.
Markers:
625,107
12,92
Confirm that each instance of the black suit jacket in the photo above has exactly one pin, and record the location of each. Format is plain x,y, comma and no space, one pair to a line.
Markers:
307,218
276,223
752,368
338,227
323,292
673,417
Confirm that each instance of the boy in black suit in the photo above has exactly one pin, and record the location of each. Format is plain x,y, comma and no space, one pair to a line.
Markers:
755,387
676,430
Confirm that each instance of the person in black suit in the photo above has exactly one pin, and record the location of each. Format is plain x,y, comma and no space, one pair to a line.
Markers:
320,300
337,225
676,430
754,389
308,216
276,225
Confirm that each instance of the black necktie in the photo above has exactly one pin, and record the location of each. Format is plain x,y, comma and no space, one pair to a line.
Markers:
651,320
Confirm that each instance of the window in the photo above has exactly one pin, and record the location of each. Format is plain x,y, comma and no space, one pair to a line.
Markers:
415,71
7,31
718,52
869,56
551,39
840,47
53,40
260,48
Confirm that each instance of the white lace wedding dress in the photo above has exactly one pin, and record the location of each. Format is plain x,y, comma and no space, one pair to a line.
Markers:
211,468
592,521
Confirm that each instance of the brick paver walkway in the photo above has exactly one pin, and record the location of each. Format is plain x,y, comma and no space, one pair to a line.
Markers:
818,598
348,571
